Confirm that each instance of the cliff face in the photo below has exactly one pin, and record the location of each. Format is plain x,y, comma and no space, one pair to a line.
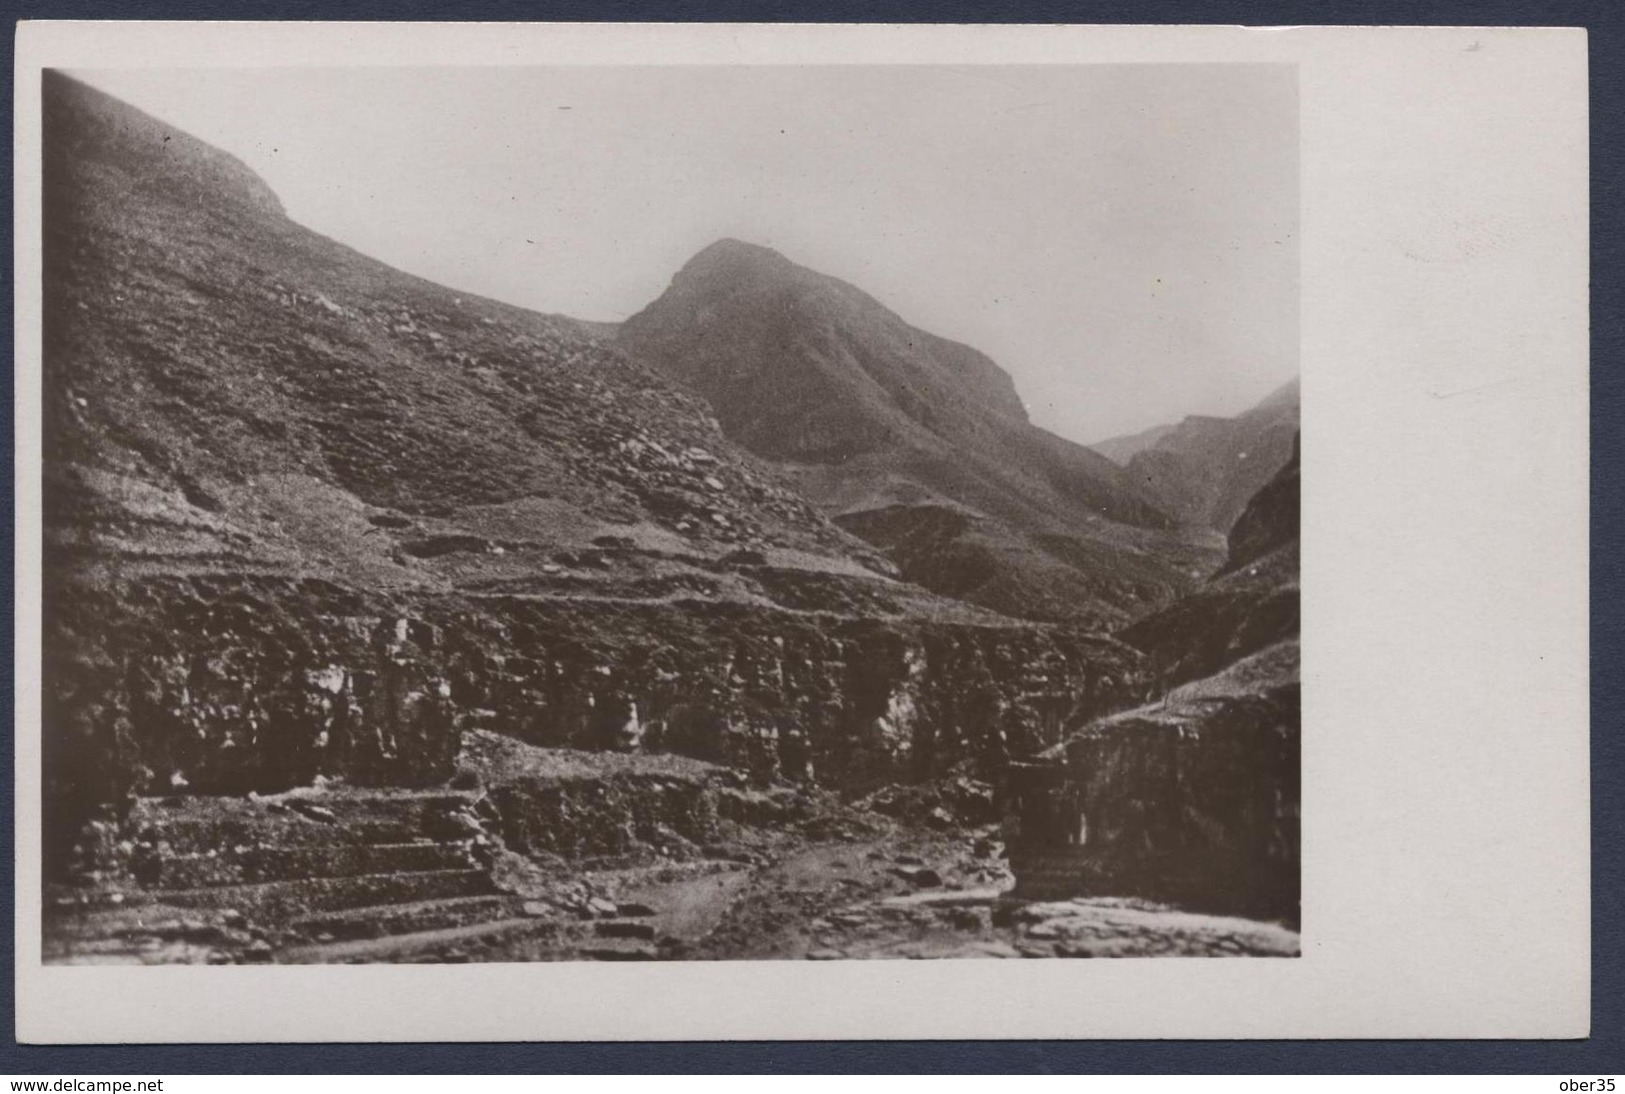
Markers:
1194,796
307,515
916,444
230,685
1196,799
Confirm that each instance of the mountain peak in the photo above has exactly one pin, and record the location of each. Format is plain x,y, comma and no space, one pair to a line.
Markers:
729,248
802,365
734,258
900,433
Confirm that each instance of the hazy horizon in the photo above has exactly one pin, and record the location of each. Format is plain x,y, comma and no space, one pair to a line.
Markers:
1122,239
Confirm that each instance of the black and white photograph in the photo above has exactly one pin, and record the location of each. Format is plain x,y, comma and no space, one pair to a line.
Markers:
613,514
582,532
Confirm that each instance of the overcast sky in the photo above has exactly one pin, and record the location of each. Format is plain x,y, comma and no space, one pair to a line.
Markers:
1123,239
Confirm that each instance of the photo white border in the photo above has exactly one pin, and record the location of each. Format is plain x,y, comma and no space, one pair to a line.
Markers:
1445,577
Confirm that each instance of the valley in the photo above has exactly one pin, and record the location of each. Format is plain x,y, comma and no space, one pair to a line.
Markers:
385,623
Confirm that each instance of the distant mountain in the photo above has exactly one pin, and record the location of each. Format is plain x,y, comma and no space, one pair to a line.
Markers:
918,444
1122,449
1204,469
1248,605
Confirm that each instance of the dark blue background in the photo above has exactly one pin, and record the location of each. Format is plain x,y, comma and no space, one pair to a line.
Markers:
1601,1054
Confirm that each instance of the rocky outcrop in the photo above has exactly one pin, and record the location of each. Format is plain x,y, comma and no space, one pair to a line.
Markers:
543,803
233,686
1214,627
1196,799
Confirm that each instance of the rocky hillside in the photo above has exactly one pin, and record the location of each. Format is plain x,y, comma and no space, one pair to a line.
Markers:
1251,603
308,516
917,444
1269,525
199,343
1204,470
1195,799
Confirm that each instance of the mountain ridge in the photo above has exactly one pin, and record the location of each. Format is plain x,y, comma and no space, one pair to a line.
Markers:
1204,468
794,306
888,427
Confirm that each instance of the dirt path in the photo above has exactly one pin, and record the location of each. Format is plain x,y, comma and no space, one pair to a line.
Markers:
689,909
912,896
904,893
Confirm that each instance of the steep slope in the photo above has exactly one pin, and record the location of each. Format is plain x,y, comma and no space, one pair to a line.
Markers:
307,516
1195,799
1205,469
1251,603
1270,523
918,444
200,341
